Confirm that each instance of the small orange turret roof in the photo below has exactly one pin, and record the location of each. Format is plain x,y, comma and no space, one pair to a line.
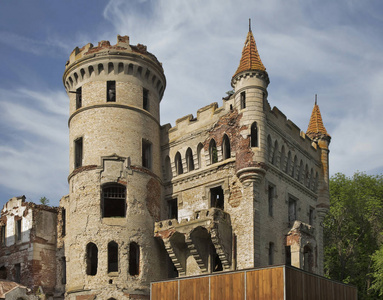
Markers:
316,127
250,59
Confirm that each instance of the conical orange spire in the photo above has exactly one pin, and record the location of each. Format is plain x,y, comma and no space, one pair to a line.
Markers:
316,127
250,59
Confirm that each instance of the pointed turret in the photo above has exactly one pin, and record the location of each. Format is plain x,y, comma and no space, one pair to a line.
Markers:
316,129
250,60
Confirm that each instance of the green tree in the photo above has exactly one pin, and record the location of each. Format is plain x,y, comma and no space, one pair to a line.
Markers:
377,258
352,230
44,201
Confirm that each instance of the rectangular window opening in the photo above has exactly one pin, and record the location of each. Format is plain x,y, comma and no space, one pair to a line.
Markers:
146,154
78,153
216,197
63,230
3,235
288,255
311,216
292,211
63,279
173,209
271,254
78,98
18,230
243,100
111,91
114,201
145,99
271,192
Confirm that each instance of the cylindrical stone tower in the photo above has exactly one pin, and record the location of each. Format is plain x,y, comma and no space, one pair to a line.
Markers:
115,187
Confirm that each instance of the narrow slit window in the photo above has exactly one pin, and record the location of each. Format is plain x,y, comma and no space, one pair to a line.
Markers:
189,160
78,148
146,154
213,152
292,211
18,230
226,153
243,100
271,254
3,235
63,278
178,164
63,216
145,99
111,91
78,98
112,257
254,135
271,192
134,259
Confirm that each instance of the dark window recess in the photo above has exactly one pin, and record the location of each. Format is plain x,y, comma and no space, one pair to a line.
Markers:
243,100
3,235
114,201
271,254
134,259
145,99
63,216
91,259
17,273
288,256
146,154
63,278
78,153
111,91
311,217
308,259
3,272
216,197
189,160
78,98
178,163
226,147
112,257
292,211
254,135
18,230
271,200
173,209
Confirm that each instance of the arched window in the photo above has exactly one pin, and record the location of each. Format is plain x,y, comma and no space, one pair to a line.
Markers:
178,163
168,168
91,259
282,162
288,163
254,135
199,154
112,257
213,152
311,179
113,201
189,160
295,167
300,172
269,148
306,180
134,259
226,147
275,153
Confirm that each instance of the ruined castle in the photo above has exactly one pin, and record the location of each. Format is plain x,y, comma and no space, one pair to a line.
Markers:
236,187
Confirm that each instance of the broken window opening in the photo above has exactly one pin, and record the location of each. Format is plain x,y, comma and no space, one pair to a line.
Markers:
271,254
243,100
134,259
17,273
254,135
146,154
18,230
145,99
78,98
189,160
111,91
271,192
78,151
112,257
226,147
173,209
91,259
307,259
213,152
178,163
216,197
114,201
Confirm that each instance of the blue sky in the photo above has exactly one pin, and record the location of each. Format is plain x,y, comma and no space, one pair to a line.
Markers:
330,48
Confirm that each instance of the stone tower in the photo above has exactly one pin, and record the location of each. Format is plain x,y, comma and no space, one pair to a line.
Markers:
114,173
250,83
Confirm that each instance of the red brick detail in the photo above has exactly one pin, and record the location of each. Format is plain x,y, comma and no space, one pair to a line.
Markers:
153,195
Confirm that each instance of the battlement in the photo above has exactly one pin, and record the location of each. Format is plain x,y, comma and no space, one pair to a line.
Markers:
105,47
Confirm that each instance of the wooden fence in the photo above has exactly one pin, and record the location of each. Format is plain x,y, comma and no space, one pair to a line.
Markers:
273,283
